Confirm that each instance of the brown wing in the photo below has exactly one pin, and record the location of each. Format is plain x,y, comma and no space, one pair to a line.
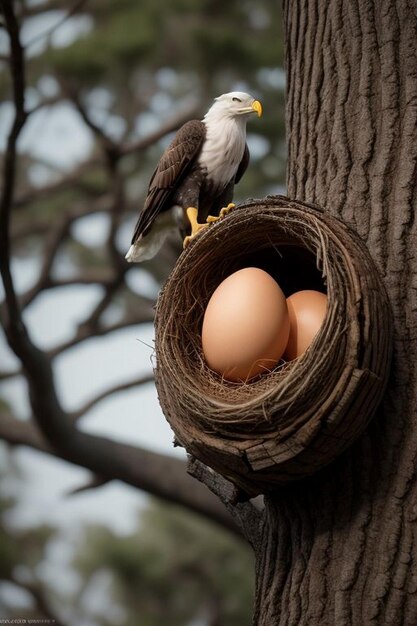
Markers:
171,169
243,164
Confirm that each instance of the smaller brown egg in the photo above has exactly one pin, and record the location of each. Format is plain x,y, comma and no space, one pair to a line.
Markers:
307,310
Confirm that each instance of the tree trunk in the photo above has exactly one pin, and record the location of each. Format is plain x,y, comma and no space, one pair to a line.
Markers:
341,549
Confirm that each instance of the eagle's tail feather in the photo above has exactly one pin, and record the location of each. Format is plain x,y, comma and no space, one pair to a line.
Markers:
135,253
146,248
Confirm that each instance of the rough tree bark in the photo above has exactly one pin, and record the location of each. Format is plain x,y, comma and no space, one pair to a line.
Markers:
341,549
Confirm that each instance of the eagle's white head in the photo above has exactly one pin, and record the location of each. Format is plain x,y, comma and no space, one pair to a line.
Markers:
225,139
235,104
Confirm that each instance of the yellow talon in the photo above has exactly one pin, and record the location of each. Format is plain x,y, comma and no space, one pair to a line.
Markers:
192,214
224,211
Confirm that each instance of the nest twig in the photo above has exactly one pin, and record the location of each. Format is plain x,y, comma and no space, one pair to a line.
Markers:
291,421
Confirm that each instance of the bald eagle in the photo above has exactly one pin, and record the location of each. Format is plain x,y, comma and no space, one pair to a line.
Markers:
193,183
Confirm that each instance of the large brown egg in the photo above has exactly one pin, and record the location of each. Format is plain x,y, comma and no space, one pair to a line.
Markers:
246,325
307,310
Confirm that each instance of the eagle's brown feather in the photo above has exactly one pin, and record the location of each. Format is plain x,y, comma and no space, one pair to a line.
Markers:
169,173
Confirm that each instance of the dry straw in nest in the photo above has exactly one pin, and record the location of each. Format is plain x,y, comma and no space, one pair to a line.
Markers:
290,422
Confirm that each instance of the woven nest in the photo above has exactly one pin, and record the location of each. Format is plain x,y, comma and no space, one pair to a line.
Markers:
290,422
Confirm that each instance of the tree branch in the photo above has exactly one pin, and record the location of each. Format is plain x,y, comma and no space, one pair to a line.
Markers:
6,375
170,126
248,518
53,241
112,154
40,226
84,333
93,319
39,597
136,382
46,102
22,433
109,146
160,475
143,316
73,179
50,31
92,277
9,170
94,483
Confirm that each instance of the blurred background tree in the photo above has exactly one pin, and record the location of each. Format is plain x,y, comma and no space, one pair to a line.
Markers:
174,568
106,86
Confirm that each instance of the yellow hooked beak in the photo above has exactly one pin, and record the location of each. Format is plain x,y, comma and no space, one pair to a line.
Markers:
257,106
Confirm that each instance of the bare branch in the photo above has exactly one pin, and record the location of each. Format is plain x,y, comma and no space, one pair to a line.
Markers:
50,31
144,315
94,483
35,226
46,102
22,433
110,148
56,236
171,125
98,277
91,277
94,318
73,179
9,170
116,212
6,375
136,382
158,474
112,154
141,317
40,598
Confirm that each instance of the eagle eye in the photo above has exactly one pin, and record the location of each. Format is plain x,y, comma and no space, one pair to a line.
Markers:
236,99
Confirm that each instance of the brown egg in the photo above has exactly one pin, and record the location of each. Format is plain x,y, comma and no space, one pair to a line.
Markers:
307,310
246,325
